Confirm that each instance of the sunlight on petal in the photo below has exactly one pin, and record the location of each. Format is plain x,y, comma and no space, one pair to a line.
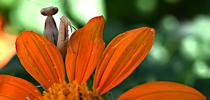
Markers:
7,46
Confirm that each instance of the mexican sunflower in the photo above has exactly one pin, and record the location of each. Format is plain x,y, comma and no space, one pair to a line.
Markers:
85,55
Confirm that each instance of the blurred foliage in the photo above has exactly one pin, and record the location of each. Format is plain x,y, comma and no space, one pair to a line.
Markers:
181,51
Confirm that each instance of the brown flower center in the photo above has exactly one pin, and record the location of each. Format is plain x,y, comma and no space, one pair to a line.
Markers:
70,91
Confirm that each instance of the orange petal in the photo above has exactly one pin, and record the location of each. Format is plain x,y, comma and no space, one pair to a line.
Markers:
121,57
13,88
84,50
162,91
7,45
40,58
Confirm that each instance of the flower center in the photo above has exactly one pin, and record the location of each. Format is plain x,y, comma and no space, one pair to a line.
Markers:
70,91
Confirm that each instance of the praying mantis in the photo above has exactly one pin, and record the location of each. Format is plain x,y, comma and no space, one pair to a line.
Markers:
58,37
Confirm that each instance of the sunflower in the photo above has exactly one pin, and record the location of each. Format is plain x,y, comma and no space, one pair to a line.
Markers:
86,53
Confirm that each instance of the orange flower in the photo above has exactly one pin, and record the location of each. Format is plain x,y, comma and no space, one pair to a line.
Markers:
7,45
85,52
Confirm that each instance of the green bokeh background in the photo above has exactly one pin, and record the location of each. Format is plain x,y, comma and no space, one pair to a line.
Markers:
181,51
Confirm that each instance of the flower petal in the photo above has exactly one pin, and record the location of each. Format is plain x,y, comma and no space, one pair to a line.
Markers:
7,45
162,91
121,57
84,50
13,88
40,58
